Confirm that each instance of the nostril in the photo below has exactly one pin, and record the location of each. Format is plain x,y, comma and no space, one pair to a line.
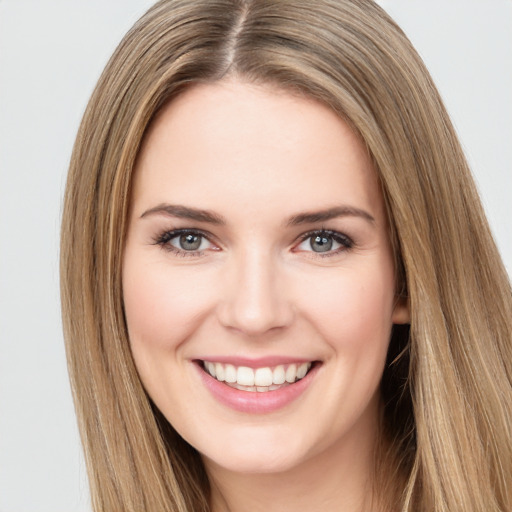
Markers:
253,317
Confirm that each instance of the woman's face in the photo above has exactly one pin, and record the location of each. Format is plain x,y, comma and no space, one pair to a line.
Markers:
258,278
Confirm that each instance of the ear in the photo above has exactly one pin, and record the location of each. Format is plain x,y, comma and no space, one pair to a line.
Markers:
401,311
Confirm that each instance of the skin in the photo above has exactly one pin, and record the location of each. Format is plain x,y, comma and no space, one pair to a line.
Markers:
257,157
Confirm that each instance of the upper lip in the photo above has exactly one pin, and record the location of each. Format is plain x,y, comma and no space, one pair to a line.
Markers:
258,362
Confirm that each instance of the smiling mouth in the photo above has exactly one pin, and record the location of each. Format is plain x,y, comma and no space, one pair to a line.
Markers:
257,379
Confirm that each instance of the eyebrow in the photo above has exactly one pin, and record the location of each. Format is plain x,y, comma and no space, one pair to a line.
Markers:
199,215
185,212
328,214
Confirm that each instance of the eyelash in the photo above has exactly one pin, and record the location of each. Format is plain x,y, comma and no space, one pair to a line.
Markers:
163,240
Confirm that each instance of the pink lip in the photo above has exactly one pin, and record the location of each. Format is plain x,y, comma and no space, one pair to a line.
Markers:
255,402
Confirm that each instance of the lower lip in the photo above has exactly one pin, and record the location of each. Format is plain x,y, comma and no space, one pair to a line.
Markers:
256,402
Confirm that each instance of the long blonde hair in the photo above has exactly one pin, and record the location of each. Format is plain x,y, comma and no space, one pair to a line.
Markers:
447,387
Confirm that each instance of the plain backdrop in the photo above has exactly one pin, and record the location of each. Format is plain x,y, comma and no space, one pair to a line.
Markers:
51,54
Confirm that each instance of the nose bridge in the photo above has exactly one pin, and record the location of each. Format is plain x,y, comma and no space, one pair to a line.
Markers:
255,300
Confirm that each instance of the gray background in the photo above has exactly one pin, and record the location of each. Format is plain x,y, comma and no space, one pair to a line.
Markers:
51,54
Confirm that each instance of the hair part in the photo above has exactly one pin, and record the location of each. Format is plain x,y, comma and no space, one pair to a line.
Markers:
447,388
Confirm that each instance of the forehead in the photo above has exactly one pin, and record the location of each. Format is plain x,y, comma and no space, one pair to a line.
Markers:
252,145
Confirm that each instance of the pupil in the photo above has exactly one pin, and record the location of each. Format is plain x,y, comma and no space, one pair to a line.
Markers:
321,243
190,242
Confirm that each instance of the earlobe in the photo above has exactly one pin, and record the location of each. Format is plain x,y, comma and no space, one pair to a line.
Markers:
401,311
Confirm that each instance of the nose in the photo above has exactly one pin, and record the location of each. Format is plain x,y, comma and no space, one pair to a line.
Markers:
254,299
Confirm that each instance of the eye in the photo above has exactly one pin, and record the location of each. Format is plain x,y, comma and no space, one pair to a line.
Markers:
325,242
185,242
189,242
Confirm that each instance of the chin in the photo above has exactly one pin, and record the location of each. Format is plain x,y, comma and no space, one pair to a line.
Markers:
261,453
255,463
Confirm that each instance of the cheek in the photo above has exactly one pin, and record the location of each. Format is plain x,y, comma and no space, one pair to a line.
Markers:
162,304
164,307
352,309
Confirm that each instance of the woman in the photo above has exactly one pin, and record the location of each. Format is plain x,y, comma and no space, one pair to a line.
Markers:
269,219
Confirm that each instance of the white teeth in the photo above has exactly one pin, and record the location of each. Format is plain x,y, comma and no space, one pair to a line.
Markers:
211,368
302,370
252,389
245,376
220,374
278,375
230,373
259,379
291,373
263,377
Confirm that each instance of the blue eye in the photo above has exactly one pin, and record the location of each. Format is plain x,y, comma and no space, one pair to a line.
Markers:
326,242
